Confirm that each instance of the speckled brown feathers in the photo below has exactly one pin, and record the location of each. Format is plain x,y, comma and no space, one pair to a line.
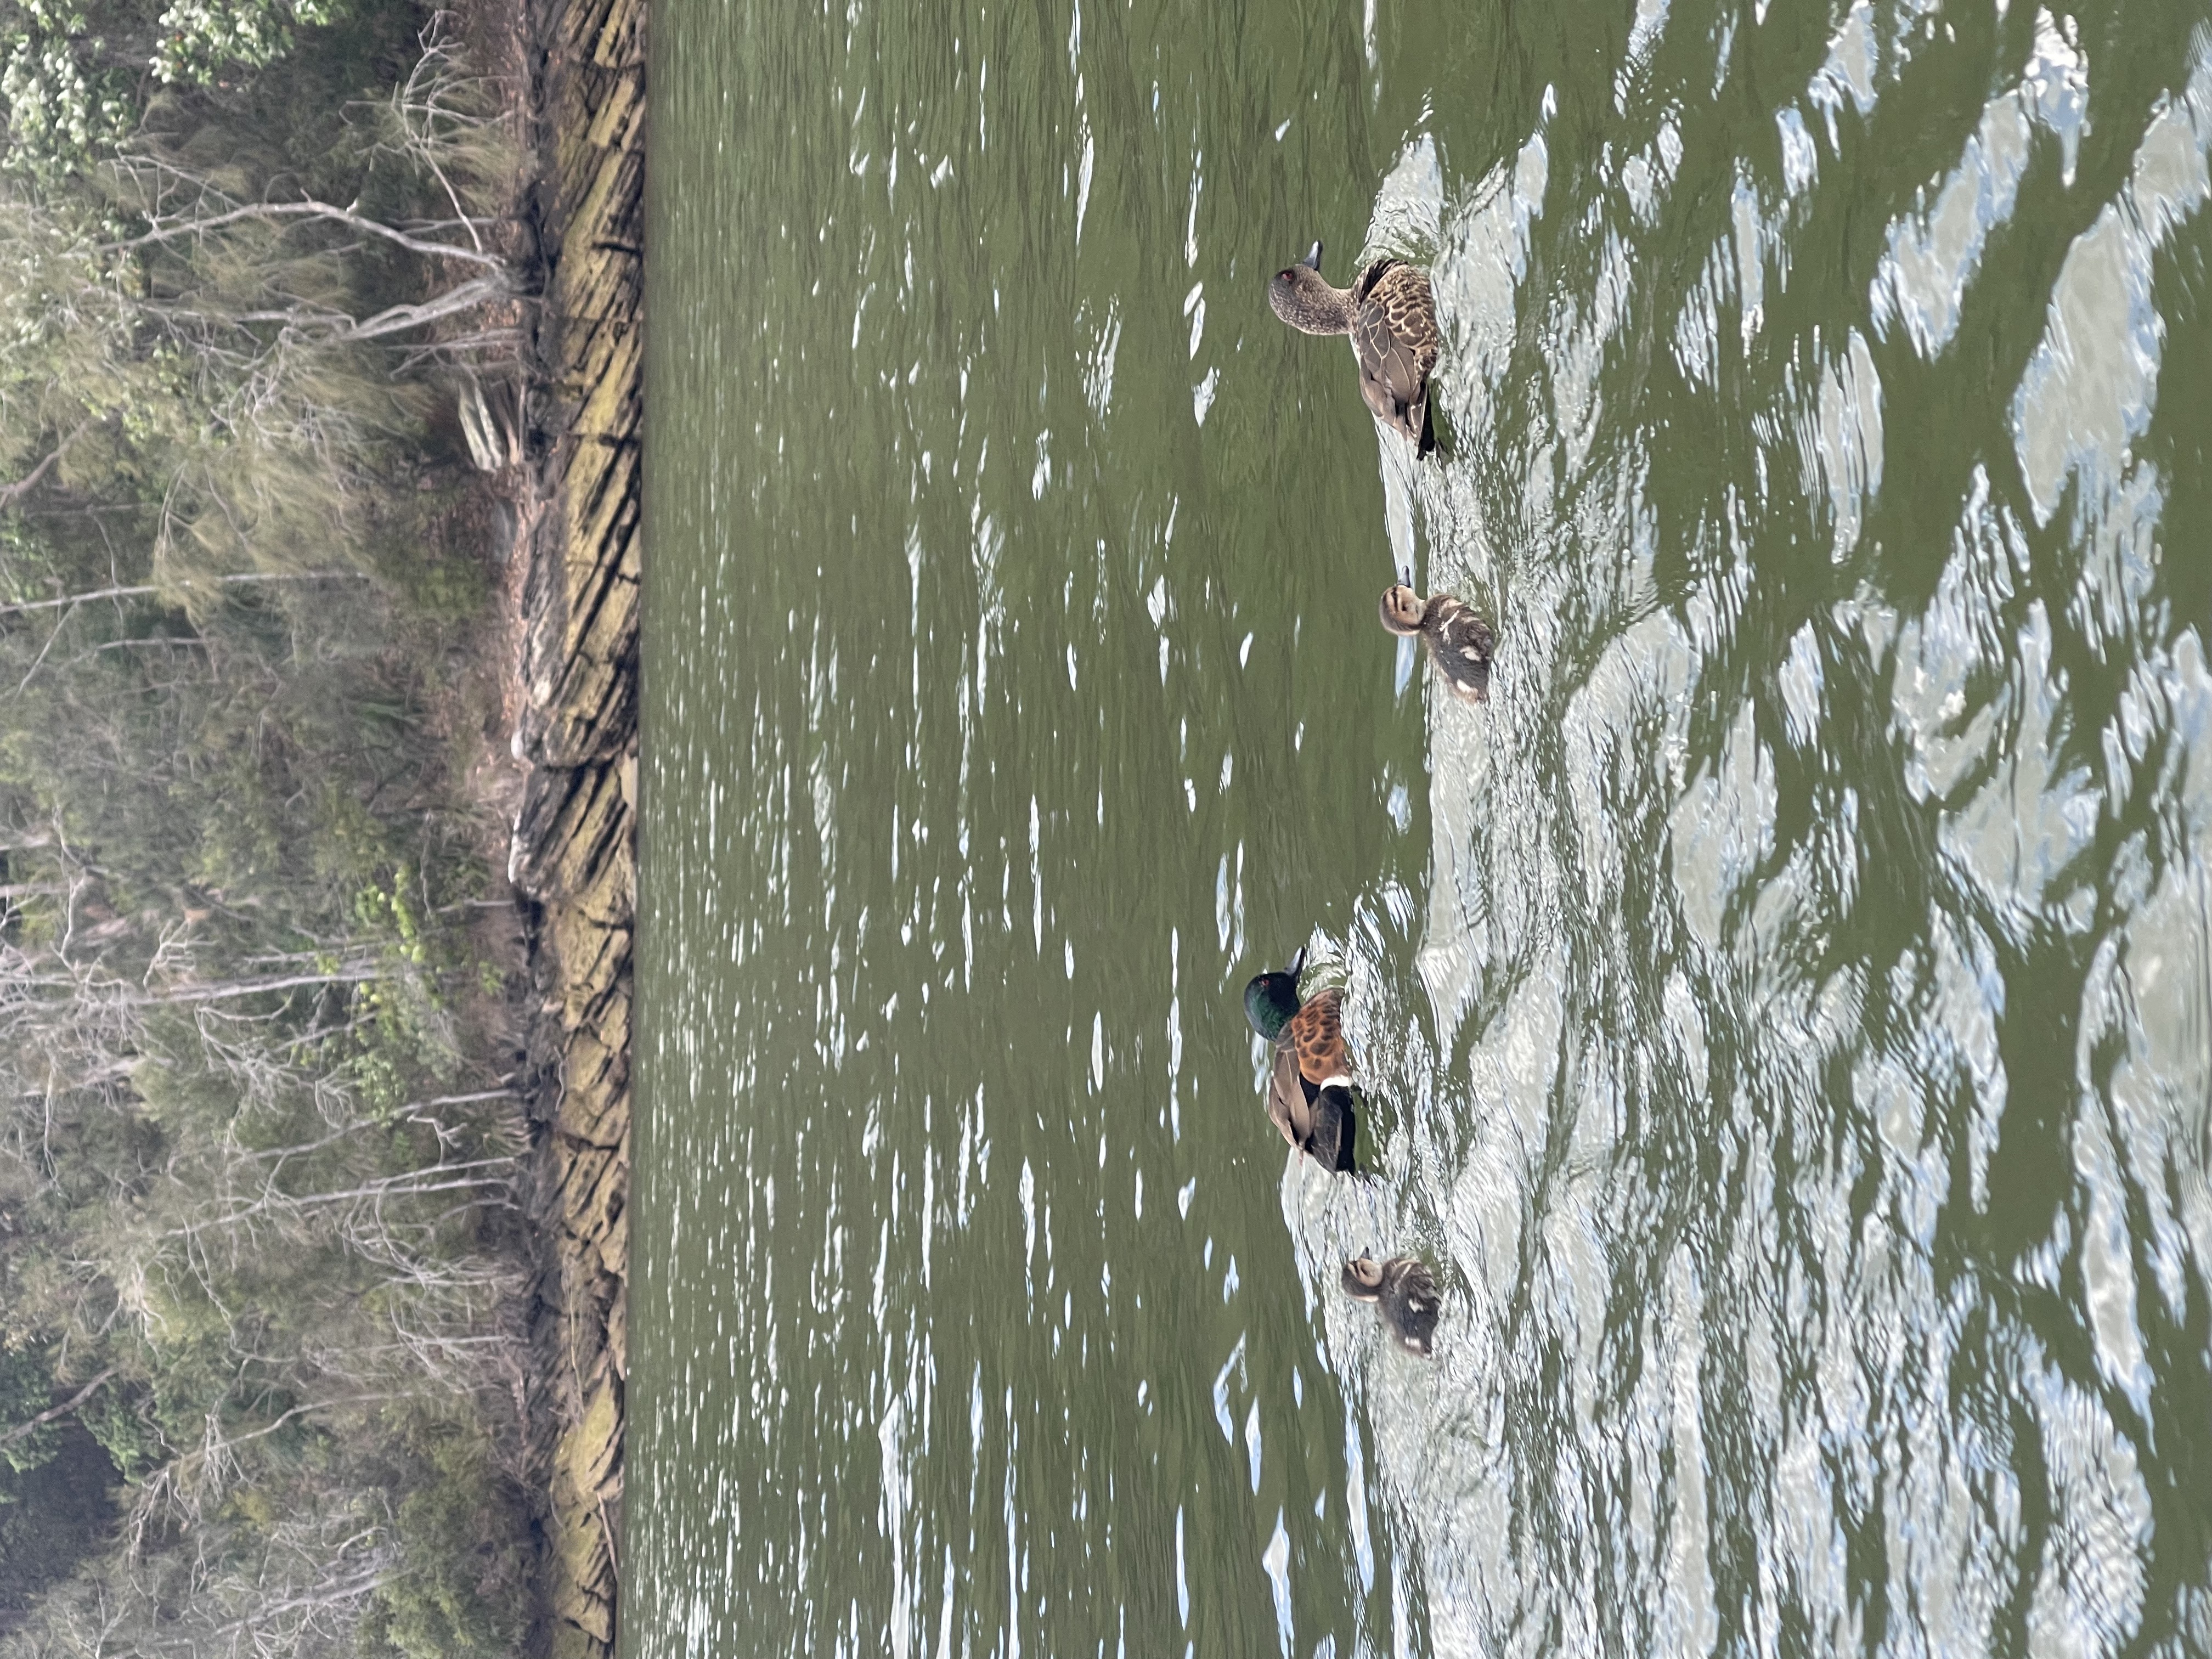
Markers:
1309,1056
1459,642
1394,333
1390,313
1404,1291
1316,1031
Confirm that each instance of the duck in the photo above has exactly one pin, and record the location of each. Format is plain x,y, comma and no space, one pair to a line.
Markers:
1310,1098
1405,1291
1459,642
1390,312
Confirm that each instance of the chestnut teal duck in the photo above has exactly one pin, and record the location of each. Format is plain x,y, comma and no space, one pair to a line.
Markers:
1310,1096
1390,312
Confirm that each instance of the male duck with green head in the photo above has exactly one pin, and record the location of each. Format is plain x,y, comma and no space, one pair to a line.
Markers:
1310,1085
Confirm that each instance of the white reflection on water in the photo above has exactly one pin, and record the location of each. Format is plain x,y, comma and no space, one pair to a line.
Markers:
2090,388
1932,254
1800,1079
1821,1342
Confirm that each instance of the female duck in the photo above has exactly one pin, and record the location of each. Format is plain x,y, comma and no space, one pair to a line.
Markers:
1309,1086
1390,312
1406,1291
1459,642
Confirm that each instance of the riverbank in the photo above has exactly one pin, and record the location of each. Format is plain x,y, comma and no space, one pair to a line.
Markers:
574,859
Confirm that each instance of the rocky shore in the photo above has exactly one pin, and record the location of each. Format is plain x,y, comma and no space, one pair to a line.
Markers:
573,862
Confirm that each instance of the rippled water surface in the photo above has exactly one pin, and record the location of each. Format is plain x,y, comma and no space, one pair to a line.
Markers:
1785,1010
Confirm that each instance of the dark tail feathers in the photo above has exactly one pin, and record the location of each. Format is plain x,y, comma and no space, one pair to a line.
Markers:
1336,1129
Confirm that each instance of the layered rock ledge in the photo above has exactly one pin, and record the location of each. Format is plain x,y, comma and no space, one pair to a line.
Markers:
574,854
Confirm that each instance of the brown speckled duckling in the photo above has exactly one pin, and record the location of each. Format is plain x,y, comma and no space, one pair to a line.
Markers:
1405,1291
1459,642
1390,312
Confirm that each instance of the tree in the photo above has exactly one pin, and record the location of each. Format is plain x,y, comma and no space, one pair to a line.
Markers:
258,1179
77,80
227,365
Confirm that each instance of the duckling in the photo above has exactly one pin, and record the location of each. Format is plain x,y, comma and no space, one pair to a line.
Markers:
1310,1089
1390,312
1406,1291
1459,642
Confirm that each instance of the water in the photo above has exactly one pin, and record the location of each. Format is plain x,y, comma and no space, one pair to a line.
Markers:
1785,1010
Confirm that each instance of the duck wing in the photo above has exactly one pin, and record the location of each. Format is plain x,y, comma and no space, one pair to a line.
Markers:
1290,1096
1375,271
1461,643
1401,295
1335,1134
1394,333
1316,1034
1412,1303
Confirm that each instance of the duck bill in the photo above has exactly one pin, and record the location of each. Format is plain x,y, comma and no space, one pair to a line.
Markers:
1314,257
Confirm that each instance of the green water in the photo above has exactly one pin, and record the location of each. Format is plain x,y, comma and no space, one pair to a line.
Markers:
1785,1010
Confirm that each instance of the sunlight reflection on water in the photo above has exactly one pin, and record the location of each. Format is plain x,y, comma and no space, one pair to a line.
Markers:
1823,1289
1785,1007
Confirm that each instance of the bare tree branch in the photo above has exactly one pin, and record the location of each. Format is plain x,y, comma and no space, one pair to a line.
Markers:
61,1410
421,94
280,211
360,974
467,296
141,590
10,492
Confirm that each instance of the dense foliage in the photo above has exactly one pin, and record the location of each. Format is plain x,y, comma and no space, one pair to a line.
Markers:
76,79
260,1378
